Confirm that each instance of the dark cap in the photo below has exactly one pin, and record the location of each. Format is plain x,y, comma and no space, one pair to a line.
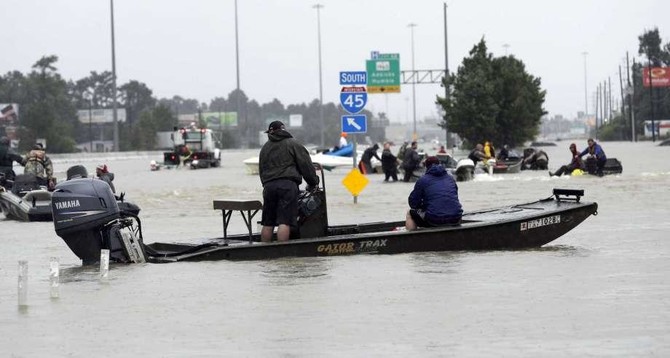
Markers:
275,125
38,146
430,161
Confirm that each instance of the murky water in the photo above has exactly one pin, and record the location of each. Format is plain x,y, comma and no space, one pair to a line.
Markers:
601,290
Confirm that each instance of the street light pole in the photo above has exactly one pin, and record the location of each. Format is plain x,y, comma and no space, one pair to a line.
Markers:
586,97
318,8
114,114
237,72
446,76
414,136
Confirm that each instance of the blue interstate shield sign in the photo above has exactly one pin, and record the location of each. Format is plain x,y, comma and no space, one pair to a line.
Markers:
353,99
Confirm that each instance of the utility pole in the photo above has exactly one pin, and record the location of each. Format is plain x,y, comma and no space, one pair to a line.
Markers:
623,106
586,96
414,135
446,76
114,114
651,101
631,97
318,8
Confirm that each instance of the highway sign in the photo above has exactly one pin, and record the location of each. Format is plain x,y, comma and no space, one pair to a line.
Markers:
352,78
384,73
355,182
353,99
355,123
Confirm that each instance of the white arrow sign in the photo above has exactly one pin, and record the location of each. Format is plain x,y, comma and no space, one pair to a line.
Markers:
352,122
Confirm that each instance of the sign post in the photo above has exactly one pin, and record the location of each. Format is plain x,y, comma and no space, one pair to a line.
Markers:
353,98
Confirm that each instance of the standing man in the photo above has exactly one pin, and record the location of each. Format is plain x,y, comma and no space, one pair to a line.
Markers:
389,163
39,164
411,162
283,163
594,150
434,200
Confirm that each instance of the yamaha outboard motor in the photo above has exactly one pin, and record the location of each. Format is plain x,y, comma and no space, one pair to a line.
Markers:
87,217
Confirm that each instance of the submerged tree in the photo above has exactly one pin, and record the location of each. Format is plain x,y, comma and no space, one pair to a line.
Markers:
493,99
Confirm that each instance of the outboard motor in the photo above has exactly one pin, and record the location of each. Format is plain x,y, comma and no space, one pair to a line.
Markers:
465,170
87,217
312,214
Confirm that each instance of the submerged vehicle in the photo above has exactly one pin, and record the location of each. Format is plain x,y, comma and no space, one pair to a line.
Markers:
87,219
194,148
24,199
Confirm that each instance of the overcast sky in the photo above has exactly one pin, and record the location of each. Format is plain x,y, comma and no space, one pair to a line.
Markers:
187,48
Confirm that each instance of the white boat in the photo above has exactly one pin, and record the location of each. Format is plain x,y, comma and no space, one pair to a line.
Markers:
327,161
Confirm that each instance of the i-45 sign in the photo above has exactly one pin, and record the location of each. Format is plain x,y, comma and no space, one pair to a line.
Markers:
353,99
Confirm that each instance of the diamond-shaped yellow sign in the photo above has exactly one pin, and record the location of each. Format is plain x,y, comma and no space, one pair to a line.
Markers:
355,182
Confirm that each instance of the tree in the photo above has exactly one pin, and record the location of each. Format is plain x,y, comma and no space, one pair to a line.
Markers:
650,46
492,99
135,98
47,111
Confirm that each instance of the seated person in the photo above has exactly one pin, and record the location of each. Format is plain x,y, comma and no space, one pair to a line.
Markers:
575,163
434,200
477,154
102,173
504,153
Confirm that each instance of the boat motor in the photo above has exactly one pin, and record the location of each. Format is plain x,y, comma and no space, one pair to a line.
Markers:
88,218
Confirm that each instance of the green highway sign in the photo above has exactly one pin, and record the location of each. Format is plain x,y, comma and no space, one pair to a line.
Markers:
383,73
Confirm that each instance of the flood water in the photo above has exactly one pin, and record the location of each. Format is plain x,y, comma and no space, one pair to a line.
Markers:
603,289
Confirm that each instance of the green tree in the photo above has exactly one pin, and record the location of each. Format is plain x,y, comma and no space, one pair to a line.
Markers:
650,46
47,111
492,99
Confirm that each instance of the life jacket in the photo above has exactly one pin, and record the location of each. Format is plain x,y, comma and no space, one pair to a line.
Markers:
35,163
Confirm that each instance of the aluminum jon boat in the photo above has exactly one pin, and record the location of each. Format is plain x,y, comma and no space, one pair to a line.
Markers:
520,226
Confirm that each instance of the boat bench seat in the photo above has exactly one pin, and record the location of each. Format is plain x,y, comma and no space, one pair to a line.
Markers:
248,209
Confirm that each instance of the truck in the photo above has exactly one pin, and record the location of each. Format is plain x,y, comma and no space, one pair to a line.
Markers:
193,147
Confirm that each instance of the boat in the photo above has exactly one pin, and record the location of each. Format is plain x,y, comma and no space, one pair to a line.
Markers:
664,143
24,200
508,166
328,162
510,227
612,166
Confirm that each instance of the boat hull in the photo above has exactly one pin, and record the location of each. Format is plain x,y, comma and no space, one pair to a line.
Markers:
530,225
33,206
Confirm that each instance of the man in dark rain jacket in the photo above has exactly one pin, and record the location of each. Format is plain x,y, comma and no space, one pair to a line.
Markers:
283,163
434,200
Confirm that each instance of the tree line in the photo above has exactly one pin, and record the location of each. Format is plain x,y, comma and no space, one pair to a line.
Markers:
48,107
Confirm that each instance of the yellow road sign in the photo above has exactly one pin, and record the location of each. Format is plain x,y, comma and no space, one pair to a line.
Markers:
355,182
383,89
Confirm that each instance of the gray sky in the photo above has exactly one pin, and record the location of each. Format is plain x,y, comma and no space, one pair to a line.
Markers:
188,47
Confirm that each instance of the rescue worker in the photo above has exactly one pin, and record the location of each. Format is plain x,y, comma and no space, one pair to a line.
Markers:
39,165
595,151
7,159
365,165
